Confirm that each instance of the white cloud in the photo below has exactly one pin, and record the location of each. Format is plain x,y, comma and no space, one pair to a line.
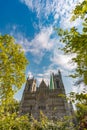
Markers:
28,2
30,75
79,89
58,8
45,76
39,44
63,60
42,40
66,22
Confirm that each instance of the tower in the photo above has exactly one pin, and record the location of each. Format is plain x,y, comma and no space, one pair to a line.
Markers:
30,88
56,81
30,85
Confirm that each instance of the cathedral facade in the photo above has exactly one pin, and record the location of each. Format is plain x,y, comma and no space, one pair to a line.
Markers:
45,98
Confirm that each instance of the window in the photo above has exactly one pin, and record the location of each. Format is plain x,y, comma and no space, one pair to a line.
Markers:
42,107
57,84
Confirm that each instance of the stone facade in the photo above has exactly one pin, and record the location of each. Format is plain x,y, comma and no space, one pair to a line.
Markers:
45,98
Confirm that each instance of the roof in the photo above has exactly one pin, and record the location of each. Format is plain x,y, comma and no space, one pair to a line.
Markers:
42,84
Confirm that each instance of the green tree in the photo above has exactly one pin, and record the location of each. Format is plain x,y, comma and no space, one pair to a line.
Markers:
12,75
12,67
14,122
80,101
76,43
12,106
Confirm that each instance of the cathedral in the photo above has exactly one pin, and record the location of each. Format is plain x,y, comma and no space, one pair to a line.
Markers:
45,98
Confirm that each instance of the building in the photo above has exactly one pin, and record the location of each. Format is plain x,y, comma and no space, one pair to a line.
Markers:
45,98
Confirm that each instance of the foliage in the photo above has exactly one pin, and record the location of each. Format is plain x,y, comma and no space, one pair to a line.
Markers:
14,122
12,76
81,104
76,43
12,67
80,10
10,118
11,107
45,124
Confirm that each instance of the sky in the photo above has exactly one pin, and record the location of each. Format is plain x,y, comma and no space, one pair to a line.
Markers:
32,23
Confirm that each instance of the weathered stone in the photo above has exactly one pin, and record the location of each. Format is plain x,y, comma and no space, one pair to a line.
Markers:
45,98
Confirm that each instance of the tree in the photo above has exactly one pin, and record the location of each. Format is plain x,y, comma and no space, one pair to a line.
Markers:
12,67
12,106
14,122
76,43
12,75
80,101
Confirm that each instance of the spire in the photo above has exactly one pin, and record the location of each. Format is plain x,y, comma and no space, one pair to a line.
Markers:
51,82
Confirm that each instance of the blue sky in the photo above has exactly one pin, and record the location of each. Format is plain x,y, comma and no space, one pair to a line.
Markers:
31,23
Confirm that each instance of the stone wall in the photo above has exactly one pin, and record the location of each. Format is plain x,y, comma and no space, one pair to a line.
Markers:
44,99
